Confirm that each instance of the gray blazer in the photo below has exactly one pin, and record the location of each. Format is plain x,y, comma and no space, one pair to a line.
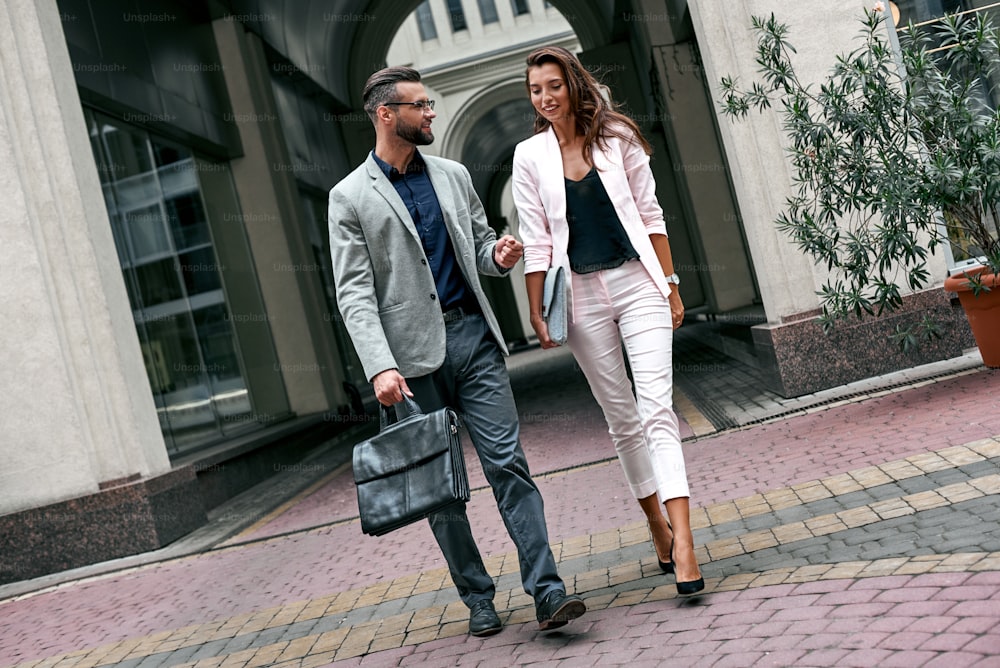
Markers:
385,288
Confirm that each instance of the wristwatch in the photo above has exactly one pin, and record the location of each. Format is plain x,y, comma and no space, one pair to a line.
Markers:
673,278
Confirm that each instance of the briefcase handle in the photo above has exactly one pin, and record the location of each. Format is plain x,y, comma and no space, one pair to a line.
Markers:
388,417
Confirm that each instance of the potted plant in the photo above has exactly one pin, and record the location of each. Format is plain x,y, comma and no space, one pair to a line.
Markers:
894,154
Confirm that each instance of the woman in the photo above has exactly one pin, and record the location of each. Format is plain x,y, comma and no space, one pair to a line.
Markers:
586,201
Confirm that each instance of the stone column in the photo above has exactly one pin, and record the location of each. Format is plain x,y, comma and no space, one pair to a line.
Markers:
264,178
85,465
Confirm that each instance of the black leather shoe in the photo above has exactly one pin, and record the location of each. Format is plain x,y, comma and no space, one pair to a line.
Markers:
483,619
689,587
557,609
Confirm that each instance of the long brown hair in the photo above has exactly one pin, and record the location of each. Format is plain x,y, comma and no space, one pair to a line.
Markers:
596,117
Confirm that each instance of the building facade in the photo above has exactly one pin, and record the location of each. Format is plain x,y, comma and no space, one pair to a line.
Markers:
172,330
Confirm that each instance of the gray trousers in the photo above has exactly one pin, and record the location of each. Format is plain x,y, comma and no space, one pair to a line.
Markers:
473,381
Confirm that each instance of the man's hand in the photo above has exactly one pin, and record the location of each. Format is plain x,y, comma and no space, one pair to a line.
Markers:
508,251
389,387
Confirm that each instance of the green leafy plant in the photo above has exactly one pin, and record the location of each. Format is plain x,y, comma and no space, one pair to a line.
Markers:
895,153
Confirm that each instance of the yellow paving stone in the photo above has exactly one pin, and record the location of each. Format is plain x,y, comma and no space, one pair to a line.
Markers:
452,629
751,501
329,640
842,484
929,462
557,552
721,513
789,533
633,597
416,637
525,615
314,660
629,572
519,599
857,517
871,476
455,612
987,485
772,577
297,648
239,659
598,602
782,498
661,593
699,518
960,455
899,470
265,656
958,492
724,548
811,491
422,622
990,562
758,540
211,662
736,582
394,625
881,567
960,562
588,582
925,500
915,568
809,573
824,525
846,569
988,447
387,642
891,508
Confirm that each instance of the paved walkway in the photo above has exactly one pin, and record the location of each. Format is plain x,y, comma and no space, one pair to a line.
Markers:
860,527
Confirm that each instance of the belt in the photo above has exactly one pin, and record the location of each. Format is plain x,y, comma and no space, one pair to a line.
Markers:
458,313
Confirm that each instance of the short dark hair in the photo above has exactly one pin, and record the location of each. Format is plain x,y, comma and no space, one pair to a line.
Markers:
381,87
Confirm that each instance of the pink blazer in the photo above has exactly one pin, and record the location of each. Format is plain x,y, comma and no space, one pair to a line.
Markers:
540,197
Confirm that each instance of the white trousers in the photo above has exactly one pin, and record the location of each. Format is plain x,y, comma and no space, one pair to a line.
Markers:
624,305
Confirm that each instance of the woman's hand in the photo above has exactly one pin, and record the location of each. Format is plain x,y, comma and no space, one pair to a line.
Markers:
676,306
542,332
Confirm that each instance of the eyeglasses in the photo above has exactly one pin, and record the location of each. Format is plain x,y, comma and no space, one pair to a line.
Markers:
419,104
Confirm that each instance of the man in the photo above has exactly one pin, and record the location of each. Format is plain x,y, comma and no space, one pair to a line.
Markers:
409,238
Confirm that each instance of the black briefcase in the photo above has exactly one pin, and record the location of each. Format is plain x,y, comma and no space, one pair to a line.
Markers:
410,469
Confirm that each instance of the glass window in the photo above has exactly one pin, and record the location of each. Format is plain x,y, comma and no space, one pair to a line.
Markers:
520,7
174,284
457,15
488,11
425,21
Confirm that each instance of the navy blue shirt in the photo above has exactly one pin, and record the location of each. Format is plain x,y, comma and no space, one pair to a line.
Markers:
417,193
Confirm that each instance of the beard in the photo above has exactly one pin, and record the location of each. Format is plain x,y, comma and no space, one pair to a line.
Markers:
413,133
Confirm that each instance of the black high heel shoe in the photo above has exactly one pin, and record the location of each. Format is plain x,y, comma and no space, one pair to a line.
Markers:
666,566
690,587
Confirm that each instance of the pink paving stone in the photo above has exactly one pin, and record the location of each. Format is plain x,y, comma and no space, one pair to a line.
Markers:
947,642
796,614
738,660
861,658
848,626
908,659
730,631
774,591
976,625
988,644
686,637
864,640
768,629
783,602
923,609
967,593
849,596
932,624
826,657
885,582
906,594
779,643
740,606
860,610
890,624
756,617
822,586
783,658
905,640
702,648
976,609
822,641
984,578
954,659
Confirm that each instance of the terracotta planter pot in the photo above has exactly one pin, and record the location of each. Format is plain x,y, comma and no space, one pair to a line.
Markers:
983,311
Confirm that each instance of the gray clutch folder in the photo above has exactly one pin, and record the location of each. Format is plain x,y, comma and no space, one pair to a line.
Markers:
554,304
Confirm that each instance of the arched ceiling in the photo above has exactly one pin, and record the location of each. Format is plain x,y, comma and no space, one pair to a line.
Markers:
338,43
